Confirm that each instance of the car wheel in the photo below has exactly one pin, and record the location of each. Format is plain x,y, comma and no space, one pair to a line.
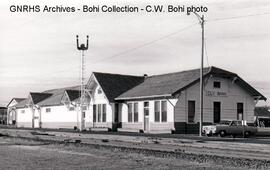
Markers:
222,133
209,134
246,134
233,135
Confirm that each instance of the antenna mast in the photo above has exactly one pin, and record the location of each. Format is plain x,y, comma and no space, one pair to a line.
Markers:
82,48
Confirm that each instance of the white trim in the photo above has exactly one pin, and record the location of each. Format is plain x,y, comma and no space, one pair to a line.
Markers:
133,111
153,96
160,111
94,77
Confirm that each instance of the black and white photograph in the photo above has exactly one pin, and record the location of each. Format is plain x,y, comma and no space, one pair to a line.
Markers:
158,84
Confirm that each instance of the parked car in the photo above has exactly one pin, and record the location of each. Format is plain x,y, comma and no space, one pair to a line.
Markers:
229,127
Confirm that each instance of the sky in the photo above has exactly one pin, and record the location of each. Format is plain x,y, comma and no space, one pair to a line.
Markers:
38,50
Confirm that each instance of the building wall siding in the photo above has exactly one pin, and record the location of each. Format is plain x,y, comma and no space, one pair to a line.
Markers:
101,99
153,126
24,119
58,117
234,94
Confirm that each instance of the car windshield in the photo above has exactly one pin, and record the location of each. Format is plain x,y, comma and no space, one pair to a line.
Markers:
225,122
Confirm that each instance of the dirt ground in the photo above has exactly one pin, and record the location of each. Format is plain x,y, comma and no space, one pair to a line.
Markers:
24,154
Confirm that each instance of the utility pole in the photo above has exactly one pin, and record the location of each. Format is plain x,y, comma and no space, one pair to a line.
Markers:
201,20
82,48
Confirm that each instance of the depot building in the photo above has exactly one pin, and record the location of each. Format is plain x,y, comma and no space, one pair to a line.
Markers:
166,103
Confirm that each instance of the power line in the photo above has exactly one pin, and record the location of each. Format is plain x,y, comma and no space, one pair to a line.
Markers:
237,17
145,44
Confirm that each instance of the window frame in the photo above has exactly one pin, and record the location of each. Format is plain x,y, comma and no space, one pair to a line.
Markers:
216,84
160,111
189,122
99,116
104,112
131,112
48,110
99,91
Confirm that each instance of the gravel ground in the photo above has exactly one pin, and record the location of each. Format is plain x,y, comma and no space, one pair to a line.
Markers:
27,154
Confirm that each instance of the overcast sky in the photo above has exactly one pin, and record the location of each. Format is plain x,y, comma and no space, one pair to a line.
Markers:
38,50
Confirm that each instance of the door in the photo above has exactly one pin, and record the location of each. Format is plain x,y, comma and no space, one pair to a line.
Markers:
36,118
240,111
83,121
216,112
191,111
146,116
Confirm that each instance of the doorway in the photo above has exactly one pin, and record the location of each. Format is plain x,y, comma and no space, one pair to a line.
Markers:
240,111
217,112
146,116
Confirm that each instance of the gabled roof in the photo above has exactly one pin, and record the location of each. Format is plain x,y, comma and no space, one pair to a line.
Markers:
115,84
21,104
172,83
55,98
73,94
17,100
262,111
47,98
38,97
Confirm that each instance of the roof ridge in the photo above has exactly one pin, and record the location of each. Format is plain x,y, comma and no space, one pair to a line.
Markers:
94,72
176,72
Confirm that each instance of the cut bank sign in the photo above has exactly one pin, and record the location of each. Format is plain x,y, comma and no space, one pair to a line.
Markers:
216,94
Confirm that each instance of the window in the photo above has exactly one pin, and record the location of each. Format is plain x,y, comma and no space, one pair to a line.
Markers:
164,111
104,113
71,108
133,114
191,111
146,104
22,111
146,108
99,91
129,112
217,84
160,111
94,113
99,113
48,110
157,111
84,108
136,112
240,111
